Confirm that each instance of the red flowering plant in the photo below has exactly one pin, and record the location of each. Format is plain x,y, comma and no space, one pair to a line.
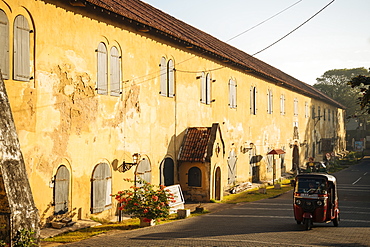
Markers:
146,200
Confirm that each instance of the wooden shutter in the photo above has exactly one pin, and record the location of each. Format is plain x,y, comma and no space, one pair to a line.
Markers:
21,49
4,45
232,94
171,79
208,89
61,190
231,162
102,84
144,171
203,88
163,77
253,100
115,72
101,188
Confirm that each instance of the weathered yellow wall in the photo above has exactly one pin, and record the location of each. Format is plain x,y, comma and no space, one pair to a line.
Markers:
61,119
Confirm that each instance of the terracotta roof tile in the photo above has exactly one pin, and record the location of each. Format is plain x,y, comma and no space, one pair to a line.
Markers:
195,144
155,18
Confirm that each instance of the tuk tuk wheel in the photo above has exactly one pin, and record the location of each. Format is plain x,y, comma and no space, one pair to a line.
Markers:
298,222
308,224
336,220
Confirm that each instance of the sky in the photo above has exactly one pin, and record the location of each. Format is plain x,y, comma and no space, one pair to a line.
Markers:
336,38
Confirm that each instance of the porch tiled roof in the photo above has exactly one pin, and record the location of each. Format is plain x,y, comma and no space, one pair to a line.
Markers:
195,144
166,24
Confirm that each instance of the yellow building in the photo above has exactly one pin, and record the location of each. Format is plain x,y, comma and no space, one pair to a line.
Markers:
106,90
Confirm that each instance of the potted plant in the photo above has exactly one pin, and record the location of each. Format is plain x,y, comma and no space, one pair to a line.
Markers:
145,201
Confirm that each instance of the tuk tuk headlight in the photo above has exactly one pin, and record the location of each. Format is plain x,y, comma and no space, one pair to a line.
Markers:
319,203
298,202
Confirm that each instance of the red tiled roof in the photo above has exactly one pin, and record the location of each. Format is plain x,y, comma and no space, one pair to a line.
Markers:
148,15
195,144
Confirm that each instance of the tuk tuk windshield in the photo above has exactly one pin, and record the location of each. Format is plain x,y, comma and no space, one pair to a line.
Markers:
311,186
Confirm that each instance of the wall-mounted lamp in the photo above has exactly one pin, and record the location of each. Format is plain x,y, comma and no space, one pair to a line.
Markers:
246,147
127,166
303,144
295,143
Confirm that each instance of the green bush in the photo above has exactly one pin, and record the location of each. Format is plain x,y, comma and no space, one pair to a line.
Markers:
24,238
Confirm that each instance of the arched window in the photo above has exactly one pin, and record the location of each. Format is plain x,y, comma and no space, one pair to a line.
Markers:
102,76
4,47
21,49
61,190
101,188
167,78
167,172
115,72
144,171
195,177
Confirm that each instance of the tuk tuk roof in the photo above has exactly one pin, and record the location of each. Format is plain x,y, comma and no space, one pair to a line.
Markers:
328,177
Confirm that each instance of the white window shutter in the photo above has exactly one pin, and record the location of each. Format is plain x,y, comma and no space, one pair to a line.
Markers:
115,72
21,49
203,88
163,76
171,78
102,83
4,47
208,89
232,93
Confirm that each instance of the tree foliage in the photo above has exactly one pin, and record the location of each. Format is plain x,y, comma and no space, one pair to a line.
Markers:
363,83
335,84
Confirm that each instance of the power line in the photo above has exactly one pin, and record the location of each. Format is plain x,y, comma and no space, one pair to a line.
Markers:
293,29
263,22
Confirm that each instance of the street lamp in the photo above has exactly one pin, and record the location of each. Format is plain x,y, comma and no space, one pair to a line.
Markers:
125,166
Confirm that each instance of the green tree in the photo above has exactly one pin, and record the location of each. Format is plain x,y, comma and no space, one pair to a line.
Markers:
363,83
335,84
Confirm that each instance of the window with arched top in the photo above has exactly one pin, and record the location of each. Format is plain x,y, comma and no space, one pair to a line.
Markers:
21,49
61,190
101,188
167,77
143,171
4,47
102,76
115,71
167,172
195,177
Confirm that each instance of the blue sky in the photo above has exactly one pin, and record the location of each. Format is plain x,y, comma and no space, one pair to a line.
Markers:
337,38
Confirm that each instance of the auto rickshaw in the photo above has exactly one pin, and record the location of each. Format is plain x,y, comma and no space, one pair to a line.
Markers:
315,199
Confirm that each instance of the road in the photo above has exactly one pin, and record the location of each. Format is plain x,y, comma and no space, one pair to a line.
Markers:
267,222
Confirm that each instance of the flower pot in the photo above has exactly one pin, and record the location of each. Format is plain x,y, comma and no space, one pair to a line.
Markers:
146,222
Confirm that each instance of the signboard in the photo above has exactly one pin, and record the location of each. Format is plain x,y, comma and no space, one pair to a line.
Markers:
358,146
179,201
